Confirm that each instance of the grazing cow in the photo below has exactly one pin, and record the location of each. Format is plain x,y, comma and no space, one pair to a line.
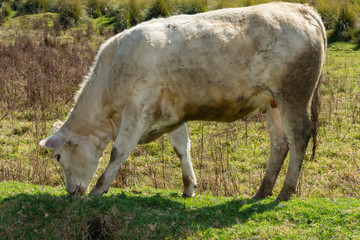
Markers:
215,66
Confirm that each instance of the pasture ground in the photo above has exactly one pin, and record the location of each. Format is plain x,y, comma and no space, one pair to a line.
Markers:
42,212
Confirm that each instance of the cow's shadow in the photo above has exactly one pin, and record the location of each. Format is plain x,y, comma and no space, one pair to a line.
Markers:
131,216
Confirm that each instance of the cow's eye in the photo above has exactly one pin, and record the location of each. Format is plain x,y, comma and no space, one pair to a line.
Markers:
57,157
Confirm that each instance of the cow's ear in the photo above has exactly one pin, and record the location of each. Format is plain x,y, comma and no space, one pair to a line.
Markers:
54,142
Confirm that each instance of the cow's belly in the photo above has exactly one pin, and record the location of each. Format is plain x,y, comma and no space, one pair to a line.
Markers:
224,112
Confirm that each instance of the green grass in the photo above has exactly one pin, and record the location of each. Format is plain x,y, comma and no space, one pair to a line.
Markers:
38,212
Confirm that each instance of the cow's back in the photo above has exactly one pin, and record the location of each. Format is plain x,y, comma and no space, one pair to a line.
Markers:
219,65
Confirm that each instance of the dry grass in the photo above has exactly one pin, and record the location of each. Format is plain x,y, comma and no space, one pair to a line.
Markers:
39,74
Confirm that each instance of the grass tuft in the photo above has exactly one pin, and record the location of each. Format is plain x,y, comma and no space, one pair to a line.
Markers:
193,6
71,12
159,8
345,24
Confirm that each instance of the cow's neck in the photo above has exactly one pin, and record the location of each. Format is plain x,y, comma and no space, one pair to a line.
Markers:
87,117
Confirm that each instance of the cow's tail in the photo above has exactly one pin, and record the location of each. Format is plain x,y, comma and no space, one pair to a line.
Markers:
315,102
315,110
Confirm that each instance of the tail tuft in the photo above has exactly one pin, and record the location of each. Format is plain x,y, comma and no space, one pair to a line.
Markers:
315,110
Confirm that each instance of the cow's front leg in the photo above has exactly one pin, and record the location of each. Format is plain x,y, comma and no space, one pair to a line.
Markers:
128,137
278,152
181,144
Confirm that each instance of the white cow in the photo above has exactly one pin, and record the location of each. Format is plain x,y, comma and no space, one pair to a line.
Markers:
215,66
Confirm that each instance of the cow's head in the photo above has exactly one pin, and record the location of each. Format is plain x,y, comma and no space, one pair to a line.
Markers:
78,156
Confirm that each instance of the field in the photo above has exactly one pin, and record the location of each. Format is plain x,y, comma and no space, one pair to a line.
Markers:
40,212
43,61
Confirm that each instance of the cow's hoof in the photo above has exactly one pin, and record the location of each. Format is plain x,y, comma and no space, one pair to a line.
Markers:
188,195
283,196
261,195
98,192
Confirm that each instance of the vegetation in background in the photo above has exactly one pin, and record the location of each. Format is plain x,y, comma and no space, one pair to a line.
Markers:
345,24
338,15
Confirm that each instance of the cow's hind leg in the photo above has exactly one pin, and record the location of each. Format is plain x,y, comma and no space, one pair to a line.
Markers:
298,129
131,130
278,152
181,144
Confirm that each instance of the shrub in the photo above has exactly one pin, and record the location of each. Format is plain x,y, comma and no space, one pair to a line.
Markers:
160,8
193,6
120,22
328,11
6,10
127,15
345,24
132,13
97,8
71,12
225,4
29,6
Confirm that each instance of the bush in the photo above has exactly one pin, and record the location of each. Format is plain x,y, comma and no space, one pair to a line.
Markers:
160,8
329,12
71,12
127,16
132,13
6,10
29,6
97,8
193,6
345,24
